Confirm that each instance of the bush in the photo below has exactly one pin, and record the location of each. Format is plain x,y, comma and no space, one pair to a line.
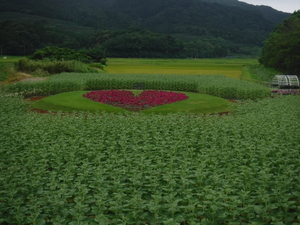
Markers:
96,55
53,67
56,53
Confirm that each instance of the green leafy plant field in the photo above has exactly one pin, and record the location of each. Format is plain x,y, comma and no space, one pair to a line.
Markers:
151,169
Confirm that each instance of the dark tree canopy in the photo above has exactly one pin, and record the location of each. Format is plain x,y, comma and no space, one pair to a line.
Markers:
282,49
136,42
17,38
179,28
56,53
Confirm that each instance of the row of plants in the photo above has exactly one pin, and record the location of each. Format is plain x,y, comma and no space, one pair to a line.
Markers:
286,91
135,169
217,85
127,99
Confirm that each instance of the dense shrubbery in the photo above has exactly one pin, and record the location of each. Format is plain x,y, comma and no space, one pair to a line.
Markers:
96,54
51,53
44,68
56,53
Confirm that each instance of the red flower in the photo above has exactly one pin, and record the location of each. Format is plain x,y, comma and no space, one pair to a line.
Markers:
128,100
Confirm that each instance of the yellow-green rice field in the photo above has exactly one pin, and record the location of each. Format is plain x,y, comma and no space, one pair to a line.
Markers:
228,67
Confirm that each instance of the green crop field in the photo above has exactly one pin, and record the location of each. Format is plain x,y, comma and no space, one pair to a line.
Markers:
228,67
173,168
134,169
217,85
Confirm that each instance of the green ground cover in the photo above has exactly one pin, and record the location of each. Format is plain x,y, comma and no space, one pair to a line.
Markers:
151,169
228,67
74,101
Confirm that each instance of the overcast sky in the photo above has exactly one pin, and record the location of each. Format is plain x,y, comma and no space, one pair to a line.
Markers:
282,5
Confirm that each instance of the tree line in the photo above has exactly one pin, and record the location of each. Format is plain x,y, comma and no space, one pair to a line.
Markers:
282,48
19,38
203,28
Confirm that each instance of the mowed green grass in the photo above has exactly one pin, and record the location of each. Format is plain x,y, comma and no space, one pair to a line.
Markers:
224,66
74,101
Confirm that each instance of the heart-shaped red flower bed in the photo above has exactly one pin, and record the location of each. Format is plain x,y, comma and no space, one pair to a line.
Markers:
127,100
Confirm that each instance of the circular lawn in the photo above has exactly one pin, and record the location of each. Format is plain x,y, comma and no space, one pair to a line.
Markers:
78,101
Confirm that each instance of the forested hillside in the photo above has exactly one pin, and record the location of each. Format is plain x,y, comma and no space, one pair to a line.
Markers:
282,48
191,28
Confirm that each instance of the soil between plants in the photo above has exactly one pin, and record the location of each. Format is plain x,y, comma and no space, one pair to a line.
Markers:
35,98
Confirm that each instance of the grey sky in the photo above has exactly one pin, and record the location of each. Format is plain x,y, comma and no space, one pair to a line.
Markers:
282,5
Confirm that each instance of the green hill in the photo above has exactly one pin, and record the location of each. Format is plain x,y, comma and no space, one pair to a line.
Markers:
206,28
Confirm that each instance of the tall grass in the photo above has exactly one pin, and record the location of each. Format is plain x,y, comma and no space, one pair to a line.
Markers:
258,72
44,68
6,70
231,88
220,86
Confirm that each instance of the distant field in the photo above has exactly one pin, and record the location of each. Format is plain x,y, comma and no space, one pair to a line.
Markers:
228,67
9,59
